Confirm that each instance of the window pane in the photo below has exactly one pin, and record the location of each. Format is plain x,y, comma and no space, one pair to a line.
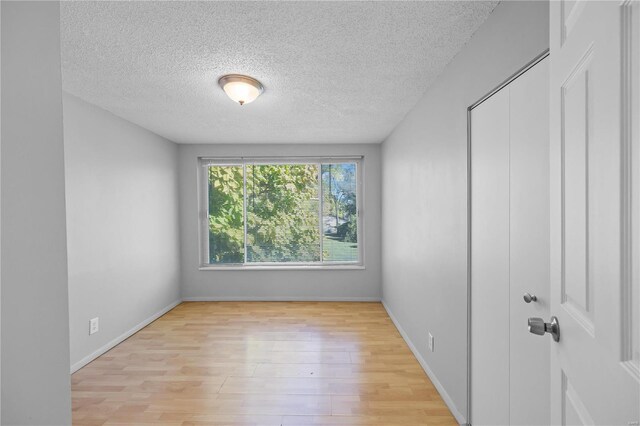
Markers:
283,223
226,221
339,215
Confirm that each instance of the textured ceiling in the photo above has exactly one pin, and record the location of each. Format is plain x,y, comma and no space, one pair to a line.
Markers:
334,72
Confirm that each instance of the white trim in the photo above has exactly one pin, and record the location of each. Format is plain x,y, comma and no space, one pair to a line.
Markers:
278,299
423,363
282,267
87,359
206,231
207,161
321,212
203,212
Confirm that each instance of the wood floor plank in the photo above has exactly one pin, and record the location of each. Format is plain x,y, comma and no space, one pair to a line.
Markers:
260,363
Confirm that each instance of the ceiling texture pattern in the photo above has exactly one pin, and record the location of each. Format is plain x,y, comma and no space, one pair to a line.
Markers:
334,72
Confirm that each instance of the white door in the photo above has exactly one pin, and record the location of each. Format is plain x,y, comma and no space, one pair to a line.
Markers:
595,370
490,261
510,252
529,244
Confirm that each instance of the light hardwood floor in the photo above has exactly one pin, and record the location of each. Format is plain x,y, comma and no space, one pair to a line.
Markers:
260,363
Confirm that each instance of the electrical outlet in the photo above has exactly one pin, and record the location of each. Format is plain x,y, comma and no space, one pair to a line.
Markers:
94,325
431,342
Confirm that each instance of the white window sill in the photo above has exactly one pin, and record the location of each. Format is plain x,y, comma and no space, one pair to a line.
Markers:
281,267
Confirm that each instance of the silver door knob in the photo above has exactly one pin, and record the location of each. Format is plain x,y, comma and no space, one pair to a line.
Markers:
528,298
539,327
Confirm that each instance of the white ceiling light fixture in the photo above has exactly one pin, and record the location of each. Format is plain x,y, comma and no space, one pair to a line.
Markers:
241,88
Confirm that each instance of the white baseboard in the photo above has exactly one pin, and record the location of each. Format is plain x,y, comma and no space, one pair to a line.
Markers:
443,393
86,360
278,299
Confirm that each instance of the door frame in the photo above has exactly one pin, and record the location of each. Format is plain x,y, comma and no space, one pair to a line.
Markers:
493,91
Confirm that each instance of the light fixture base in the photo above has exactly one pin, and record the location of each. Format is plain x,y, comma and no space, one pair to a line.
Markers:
241,88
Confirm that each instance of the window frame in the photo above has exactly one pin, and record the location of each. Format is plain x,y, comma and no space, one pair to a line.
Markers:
203,211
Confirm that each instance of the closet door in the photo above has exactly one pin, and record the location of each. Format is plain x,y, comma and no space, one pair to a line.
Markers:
529,244
510,252
490,261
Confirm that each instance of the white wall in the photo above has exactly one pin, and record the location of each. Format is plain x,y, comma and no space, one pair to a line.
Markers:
425,172
289,284
35,322
122,225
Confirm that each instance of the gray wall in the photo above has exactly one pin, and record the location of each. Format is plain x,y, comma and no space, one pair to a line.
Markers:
122,225
425,172
280,284
35,321
0,224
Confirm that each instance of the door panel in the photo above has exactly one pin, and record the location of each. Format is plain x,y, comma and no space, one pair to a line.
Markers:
591,182
576,120
529,243
490,259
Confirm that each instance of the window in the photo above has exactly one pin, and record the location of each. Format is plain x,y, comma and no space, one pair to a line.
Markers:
280,212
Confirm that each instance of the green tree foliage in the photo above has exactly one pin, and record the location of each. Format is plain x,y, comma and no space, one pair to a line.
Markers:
226,223
282,213
348,231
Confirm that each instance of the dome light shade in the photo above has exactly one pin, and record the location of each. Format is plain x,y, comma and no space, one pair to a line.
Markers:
241,88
